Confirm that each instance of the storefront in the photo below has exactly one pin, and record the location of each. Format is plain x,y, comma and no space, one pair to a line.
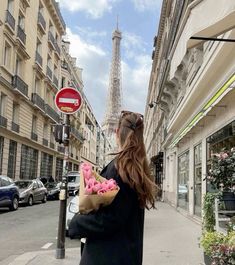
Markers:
29,162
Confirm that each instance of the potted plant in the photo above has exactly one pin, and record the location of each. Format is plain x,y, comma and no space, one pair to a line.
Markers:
222,176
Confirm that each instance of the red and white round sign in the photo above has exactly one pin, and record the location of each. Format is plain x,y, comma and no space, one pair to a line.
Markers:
68,100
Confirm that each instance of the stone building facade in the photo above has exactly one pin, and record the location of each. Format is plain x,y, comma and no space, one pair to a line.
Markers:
190,110
34,64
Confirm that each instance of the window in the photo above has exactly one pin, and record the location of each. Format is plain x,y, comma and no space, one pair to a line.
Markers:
15,113
21,21
34,124
63,82
59,169
3,99
52,138
45,131
1,152
12,159
49,62
5,181
183,180
29,162
10,6
46,165
39,47
197,179
37,86
19,66
7,55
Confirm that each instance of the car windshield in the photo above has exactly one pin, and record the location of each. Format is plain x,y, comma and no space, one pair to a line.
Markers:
23,184
73,178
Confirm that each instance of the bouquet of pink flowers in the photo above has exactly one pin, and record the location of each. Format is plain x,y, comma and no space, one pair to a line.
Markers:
95,191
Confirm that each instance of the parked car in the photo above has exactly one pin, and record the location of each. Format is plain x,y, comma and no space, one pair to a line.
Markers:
9,193
53,190
72,209
73,182
31,191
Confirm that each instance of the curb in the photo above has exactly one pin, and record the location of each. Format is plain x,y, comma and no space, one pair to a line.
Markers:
72,256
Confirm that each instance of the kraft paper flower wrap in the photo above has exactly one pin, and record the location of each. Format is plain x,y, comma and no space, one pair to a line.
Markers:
95,191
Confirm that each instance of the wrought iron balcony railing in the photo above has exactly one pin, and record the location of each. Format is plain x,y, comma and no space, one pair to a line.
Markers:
3,121
49,72
38,58
34,136
21,34
38,101
52,113
19,85
77,134
10,20
15,127
41,21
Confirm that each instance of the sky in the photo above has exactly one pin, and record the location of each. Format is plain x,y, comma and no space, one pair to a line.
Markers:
90,24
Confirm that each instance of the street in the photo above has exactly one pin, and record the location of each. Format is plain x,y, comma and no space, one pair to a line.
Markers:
30,229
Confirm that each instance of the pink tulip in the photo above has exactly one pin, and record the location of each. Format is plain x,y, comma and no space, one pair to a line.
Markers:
96,187
88,190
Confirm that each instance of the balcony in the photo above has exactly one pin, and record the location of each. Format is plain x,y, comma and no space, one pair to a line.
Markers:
3,121
57,48
60,149
21,34
20,86
38,101
34,136
41,22
49,72
45,142
51,40
38,59
64,65
52,113
10,20
55,81
77,134
52,145
15,127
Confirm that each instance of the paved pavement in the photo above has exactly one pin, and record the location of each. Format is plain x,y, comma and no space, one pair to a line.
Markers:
170,239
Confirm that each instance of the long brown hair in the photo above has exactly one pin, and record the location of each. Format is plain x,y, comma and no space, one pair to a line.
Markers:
131,161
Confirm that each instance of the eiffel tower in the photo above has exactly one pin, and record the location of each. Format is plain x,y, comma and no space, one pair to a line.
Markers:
114,99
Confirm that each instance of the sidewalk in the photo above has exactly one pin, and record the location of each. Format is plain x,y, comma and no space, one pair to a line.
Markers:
170,239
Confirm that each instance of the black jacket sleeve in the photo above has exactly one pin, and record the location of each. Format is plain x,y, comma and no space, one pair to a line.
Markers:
107,220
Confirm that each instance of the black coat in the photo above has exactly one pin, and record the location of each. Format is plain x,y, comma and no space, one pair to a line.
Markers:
114,233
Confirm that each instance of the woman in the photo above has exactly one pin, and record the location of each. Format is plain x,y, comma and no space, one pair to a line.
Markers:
115,233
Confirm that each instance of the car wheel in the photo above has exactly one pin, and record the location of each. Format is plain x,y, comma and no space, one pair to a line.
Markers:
30,201
44,200
14,204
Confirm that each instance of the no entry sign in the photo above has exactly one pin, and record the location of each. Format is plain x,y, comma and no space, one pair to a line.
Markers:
68,100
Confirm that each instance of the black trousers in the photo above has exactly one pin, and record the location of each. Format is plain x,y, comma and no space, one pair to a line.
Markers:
82,246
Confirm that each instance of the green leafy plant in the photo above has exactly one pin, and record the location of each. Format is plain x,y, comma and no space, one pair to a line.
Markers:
222,172
209,211
209,240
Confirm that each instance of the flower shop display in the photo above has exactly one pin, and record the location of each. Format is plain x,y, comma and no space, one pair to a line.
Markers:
95,191
222,176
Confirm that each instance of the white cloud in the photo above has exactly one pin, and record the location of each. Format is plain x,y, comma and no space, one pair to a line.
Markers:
96,65
144,5
94,8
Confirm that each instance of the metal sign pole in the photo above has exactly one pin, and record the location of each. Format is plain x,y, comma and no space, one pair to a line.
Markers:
60,251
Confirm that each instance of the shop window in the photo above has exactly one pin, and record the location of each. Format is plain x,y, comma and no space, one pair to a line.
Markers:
29,162
197,179
46,165
59,169
183,181
223,139
12,159
1,152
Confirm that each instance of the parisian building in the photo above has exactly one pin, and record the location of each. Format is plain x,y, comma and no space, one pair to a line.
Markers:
190,110
34,64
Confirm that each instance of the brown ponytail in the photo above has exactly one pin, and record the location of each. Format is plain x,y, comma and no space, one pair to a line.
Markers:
131,161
